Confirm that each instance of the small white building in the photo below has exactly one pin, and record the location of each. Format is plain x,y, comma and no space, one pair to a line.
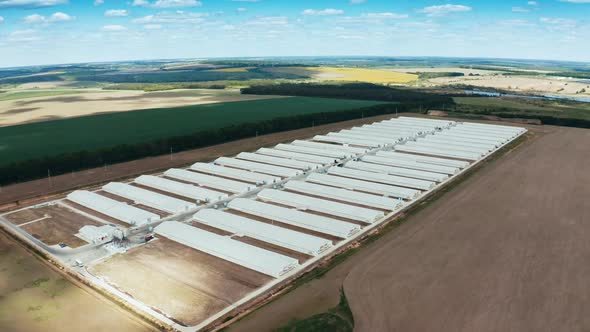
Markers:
94,234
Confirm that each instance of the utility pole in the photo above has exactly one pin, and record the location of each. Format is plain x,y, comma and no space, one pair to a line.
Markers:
49,177
170,153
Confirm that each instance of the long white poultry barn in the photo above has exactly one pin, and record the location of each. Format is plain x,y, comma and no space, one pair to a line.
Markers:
182,189
437,152
149,198
399,171
339,154
278,161
481,134
346,140
462,135
439,136
251,257
487,131
426,120
303,202
395,136
209,181
279,236
364,186
382,178
112,208
312,222
258,167
423,159
405,163
392,130
450,147
345,195
234,173
365,137
448,141
331,147
310,158
453,145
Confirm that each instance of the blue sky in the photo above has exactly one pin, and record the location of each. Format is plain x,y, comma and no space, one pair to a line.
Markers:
60,31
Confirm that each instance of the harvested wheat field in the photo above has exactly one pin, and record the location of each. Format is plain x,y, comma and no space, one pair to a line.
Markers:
181,282
35,298
506,250
34,105
346,74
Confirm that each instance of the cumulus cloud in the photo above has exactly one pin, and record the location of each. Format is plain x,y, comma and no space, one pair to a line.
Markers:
30,3
113,28
242,9
385,15
116,13
171,17
520,10
443,10
268,21
98,2
152,26
322,12
557,21
168,3
1,19
532,3
54,18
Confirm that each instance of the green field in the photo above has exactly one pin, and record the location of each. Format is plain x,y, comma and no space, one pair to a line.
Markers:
37,140
524,107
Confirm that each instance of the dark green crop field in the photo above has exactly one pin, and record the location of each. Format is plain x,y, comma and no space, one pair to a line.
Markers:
51,138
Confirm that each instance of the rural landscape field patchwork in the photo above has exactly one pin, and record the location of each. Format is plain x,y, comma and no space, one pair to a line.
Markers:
294,166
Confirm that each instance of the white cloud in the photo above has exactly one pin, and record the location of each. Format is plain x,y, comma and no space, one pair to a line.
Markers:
532,3
443,10
268,21
171,17
322,12
54,18
98,2
113,28
30,3
168,3
242,9
558,21
1,19
386,15
520,10
356,2
152,26
28,35
116,13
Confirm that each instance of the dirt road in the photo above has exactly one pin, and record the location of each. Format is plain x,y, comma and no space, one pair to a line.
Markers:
62,183
508,251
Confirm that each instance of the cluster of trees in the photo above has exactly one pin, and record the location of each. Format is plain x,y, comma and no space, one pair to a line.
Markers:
364,91
68,162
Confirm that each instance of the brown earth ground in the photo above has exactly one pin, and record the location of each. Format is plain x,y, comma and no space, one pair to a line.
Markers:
66,182
181,282
59,224
35,298
506,250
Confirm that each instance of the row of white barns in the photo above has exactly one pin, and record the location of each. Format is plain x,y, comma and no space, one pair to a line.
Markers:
226,248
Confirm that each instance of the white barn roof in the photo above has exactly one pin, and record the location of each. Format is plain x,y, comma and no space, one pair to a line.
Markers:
112,208
365,186
254,258
149,198
282,237
296,218
381,178
344,195
258,167
210,181
179,188
303,202
234,173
